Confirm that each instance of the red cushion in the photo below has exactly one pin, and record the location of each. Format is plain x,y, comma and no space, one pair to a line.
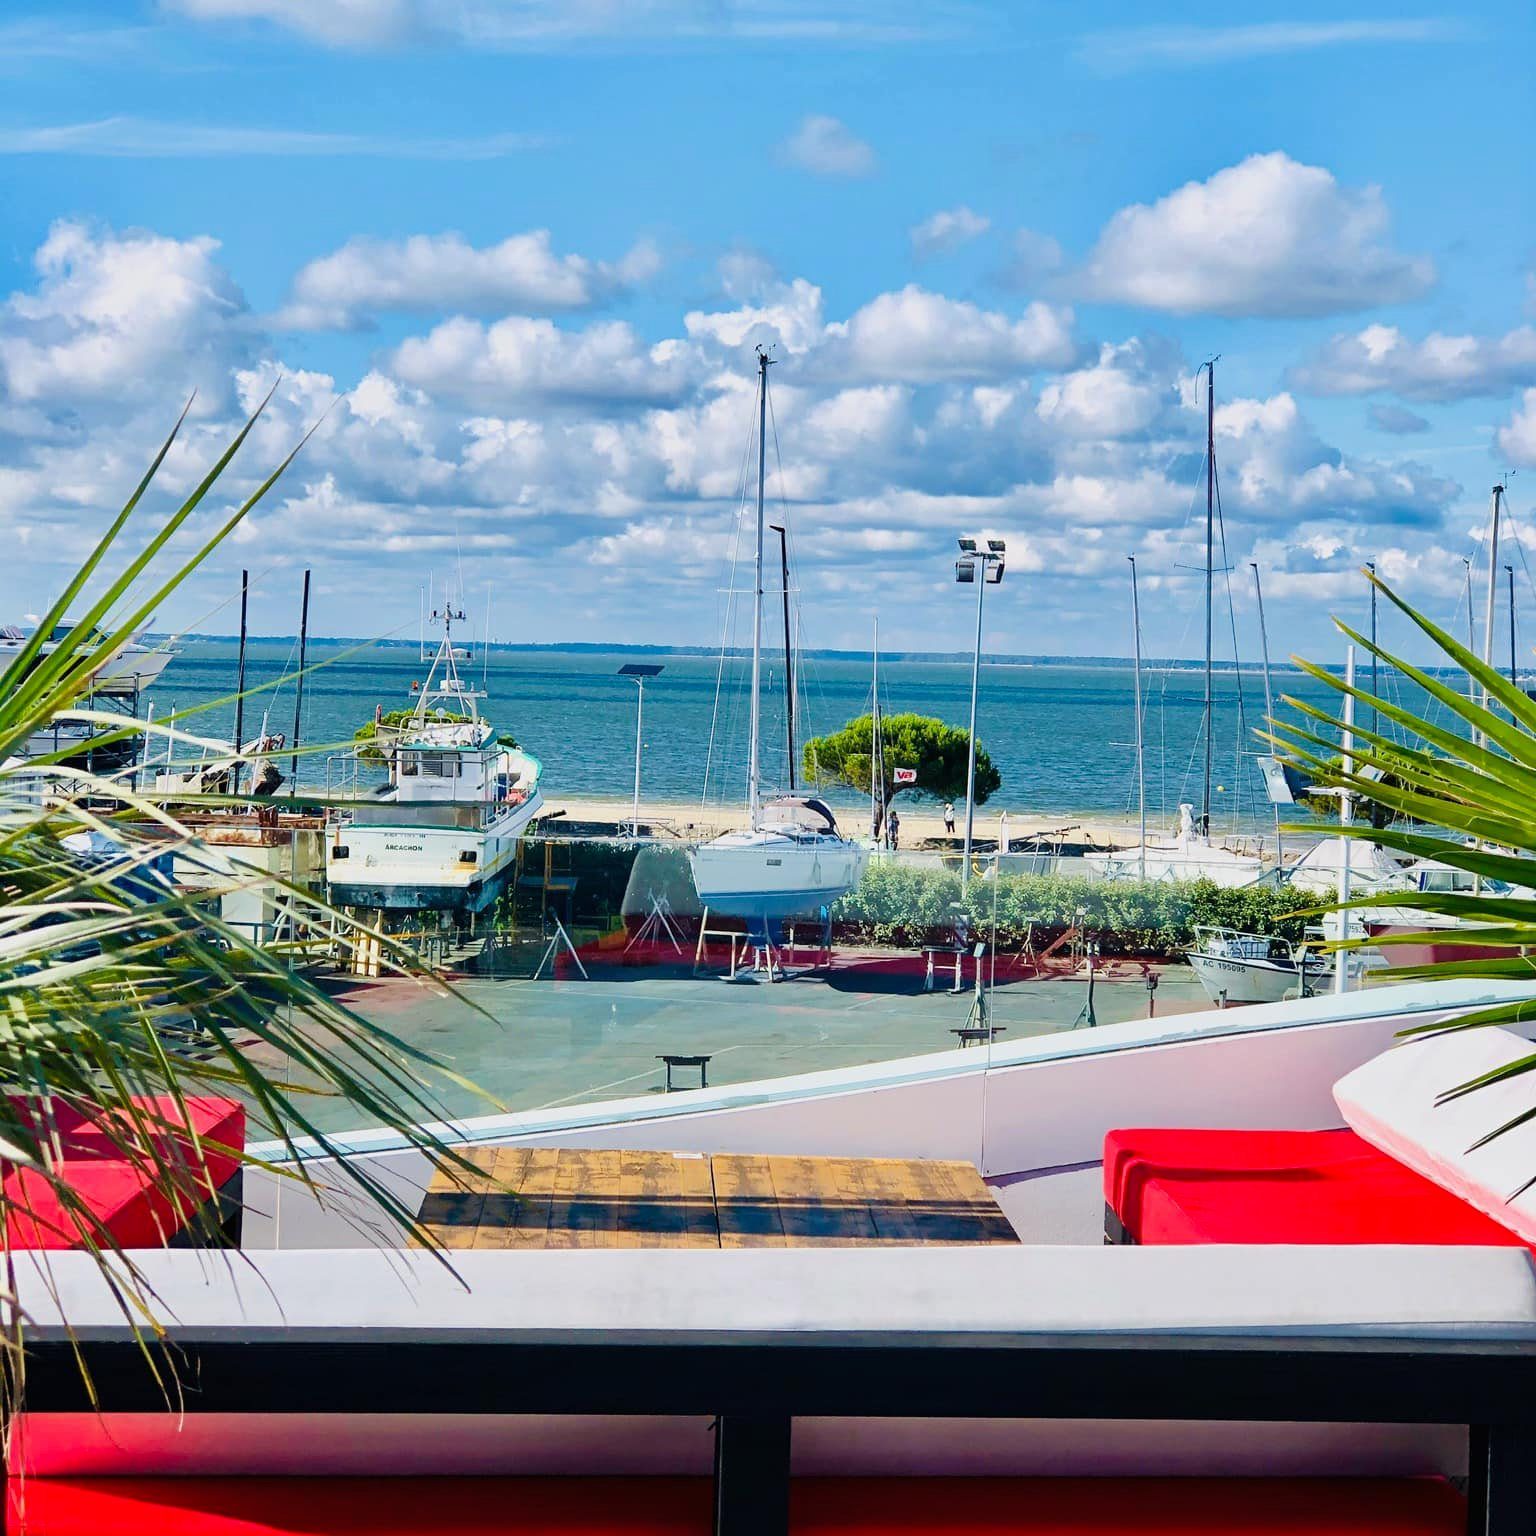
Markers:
1204,1186
114,1188
666,1506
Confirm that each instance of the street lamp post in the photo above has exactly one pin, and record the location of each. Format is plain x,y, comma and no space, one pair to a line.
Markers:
984,567
638,672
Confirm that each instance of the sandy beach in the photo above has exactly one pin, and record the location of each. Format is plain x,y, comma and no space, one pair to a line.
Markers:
919,822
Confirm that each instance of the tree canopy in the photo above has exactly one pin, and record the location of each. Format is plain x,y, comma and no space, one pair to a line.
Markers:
936,750
367,732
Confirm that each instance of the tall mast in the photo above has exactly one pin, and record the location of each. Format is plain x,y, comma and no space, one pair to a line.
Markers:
1141,761
1471,625
1493,578
1510,571
754,783
1210,548
789,658
876,751
1269,701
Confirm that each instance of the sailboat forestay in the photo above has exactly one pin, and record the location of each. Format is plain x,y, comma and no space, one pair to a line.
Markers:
790,858
1189,854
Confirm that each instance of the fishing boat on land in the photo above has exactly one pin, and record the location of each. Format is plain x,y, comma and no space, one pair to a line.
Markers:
1236,967
441,834
790,858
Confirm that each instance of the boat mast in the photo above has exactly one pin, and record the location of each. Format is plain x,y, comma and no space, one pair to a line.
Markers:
789,660
1510,571
876,751
1493,577
1141,761
1269,701
754,786
1210,547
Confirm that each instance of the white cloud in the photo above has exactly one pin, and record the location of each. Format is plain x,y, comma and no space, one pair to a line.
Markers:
524,440
788,314
1149,47
1114,398
441,272
826,146
1268,236
915,336
522,359
947,230
1517,437
138,138
136,314
1439,367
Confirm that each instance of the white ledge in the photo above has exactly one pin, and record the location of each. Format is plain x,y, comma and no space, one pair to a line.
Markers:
1400,1291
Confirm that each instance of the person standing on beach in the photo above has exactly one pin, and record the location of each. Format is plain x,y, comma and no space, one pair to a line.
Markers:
949,817
893,826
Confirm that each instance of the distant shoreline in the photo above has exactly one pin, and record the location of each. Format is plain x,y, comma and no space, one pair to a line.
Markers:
591,648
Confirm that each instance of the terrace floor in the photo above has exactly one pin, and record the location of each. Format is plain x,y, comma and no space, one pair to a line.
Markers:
545,1044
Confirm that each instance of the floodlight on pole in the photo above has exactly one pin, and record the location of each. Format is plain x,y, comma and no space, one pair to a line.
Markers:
638,673
990,563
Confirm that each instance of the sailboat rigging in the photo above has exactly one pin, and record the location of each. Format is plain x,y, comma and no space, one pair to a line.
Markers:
790,858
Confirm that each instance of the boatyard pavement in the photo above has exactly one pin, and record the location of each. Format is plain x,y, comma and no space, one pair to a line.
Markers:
546,1044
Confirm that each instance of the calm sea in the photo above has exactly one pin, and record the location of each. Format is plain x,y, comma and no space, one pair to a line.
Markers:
1062,736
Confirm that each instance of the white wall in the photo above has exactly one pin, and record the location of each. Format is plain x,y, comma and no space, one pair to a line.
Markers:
1039,1103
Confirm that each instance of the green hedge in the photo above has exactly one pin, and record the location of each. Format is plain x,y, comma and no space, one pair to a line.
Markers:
898,903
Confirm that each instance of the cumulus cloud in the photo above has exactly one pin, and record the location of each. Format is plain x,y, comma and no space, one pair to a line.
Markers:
1517,437
525,439
134,314
1439,367
1115,397
947,231
826,146
524,359
916,336
443,272
774,313
1268,236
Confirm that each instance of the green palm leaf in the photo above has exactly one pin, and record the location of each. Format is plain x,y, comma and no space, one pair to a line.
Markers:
104,969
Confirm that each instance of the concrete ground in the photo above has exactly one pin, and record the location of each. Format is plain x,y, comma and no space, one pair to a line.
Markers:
552,1043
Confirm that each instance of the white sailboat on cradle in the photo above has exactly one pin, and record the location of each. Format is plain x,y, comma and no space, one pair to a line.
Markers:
790,859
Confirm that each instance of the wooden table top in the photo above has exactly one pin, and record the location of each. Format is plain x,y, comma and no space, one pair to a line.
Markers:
549,1197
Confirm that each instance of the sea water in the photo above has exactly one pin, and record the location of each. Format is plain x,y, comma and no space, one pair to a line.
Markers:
1062,736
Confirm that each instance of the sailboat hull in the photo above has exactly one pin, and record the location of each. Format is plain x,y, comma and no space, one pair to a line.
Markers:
762,877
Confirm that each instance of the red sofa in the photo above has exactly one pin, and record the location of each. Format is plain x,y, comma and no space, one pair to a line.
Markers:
113,1188
670,1506
1220,1186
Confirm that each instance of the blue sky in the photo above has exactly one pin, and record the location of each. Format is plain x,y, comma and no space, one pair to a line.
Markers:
531,247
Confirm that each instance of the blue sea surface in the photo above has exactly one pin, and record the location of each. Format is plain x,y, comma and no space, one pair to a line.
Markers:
1062,736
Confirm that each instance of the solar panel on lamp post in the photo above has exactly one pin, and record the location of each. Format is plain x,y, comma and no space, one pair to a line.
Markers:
984,567
638,672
